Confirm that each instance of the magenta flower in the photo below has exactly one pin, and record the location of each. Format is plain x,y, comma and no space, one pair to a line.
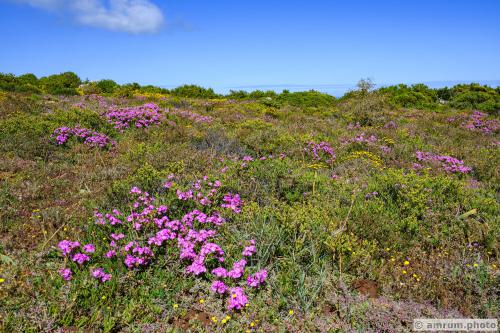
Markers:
232,202
196,268
117,237
99,274
89,248
320,151
257,279
91,138
218,287
249,250
237,299
238,269
80,258
137,116
66,274
448,163
220,272
67,246
130,261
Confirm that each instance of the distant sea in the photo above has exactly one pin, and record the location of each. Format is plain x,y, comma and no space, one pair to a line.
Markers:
338,90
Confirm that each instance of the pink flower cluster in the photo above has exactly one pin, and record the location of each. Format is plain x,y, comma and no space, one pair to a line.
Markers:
232,202
137,116
361,138
237,299
247,159
257,279
448,163
202,190
250,249
477,122
100,275
197,118
91,138
67,246
66,274
321,151
191,236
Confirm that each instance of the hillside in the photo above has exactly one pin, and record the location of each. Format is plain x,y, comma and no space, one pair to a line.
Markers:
141,209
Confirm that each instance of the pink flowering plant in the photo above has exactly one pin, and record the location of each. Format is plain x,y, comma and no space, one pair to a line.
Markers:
448,164
141,116
181,223
321,152
91,138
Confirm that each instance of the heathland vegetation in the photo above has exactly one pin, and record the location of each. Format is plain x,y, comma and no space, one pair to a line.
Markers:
129,208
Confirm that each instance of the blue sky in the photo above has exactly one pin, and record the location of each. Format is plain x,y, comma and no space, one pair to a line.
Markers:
240,43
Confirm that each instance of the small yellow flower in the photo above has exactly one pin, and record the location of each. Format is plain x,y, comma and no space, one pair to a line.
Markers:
406,263
247,305
415,275
290,312
252,324
418,279
65,229
493,265
176,306
228,317
214,319
202,301
475,265
2,280
404,272
387,249
223,321
103,297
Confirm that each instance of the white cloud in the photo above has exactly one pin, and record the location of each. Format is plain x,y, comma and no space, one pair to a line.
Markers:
134,16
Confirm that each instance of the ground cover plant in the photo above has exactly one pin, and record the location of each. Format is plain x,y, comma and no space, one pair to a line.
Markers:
140,209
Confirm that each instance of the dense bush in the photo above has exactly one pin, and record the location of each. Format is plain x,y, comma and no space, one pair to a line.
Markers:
416,96
307,99
193,91
462,96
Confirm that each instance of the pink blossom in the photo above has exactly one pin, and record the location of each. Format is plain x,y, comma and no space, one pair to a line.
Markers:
218,287
89,248
237,299
220,272
99,274
232,202
80,258
257,279
67,246
66,274
238,269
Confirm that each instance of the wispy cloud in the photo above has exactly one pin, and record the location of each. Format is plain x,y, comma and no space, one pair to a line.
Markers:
134,16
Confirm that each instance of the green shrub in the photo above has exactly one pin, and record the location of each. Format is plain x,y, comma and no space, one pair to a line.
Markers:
61,84
193,91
